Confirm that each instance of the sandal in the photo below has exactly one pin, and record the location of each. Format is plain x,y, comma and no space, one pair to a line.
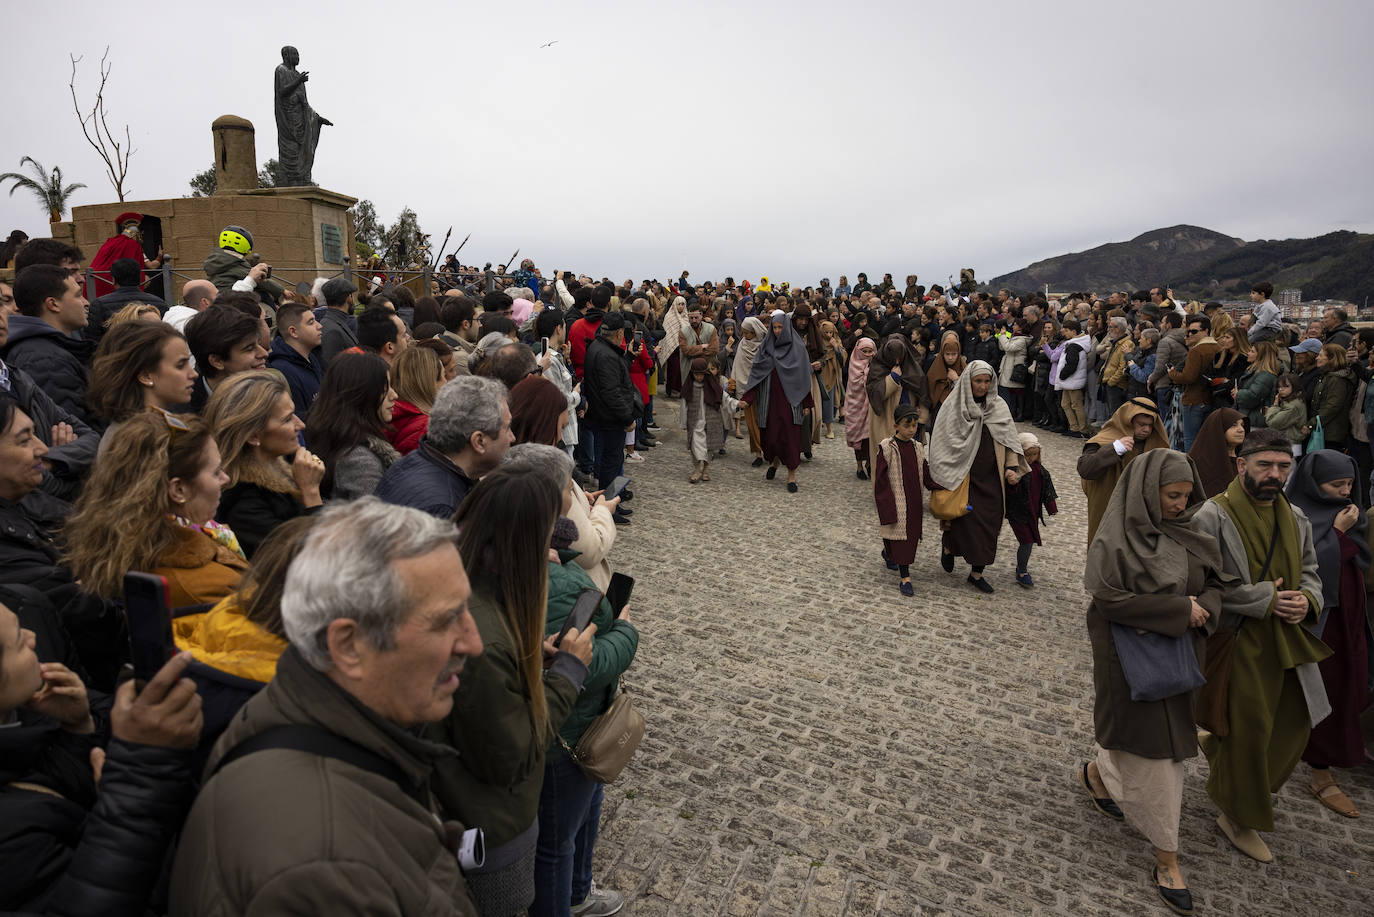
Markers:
1333,797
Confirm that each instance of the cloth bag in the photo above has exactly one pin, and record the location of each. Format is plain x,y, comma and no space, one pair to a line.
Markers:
610,741
1317,441
1156,666
950,504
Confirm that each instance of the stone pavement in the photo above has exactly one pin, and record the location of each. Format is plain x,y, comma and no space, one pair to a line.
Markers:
820,745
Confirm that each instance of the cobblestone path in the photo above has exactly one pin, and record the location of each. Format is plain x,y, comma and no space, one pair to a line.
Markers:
820,745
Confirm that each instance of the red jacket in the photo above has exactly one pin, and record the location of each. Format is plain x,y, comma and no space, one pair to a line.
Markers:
579,336
639,370
408,426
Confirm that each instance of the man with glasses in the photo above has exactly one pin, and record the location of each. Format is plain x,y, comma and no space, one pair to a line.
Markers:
1194,378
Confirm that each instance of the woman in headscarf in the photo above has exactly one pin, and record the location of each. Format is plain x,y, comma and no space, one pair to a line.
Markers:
831,374
810,333
944,371
674,320
856,405
894,377
1149,569
1133,430
1214,450
1322,487
897,491
974,437
779,387
753,331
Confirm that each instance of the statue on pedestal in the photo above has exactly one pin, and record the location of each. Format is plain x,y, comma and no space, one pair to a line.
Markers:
298,125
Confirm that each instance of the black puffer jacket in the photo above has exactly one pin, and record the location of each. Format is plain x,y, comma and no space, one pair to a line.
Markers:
79,852
612,399
56,361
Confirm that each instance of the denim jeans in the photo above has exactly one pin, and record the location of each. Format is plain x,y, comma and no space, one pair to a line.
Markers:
1193,416
609,453
584,453
569,817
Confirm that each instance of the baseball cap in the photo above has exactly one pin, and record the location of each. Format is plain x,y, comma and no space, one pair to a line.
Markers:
1311,345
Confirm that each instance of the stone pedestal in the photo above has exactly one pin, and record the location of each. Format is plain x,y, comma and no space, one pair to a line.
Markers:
303,232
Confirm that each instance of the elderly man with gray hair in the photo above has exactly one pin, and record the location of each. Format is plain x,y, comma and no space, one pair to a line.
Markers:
468,435
316,799
1115,371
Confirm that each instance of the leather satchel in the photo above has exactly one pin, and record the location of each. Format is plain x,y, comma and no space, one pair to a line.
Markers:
610,741
950,504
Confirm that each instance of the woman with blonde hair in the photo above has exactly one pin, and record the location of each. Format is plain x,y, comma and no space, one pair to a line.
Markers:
254,421
150,506
134,312
1254,390
416,375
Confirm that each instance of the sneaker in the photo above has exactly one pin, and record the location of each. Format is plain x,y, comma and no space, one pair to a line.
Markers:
980,583
907,589
600,902
756,463
1025,580
890,564
626,496
621,520
633,458
652,427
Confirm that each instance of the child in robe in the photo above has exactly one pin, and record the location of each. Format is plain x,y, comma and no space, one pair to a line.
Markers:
1027,504
897,492
705,404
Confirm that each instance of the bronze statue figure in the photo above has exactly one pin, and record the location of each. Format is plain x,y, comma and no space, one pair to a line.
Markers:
298,125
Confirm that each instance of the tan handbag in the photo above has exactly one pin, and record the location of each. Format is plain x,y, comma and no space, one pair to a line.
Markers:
610,741
950,504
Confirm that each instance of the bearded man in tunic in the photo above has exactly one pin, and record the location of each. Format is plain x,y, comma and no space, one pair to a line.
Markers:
1276,694
298,125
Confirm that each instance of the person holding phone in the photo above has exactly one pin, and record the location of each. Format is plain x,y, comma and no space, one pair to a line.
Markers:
519,691
570,803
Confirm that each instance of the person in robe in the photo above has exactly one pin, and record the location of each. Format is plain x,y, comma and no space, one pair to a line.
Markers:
1133,430
674,320
753,332
810,333
894,377
944,371
831,375
1214,449
897,491
298,125
974,437
1274,690
856,405
1027,504
1321,487
704,399
779,388
1149,569
127,242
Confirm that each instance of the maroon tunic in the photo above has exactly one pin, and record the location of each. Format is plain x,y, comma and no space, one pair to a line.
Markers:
782,439
1336,741
900,552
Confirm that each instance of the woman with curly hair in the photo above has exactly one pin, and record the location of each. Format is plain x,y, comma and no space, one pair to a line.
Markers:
254,422
150,505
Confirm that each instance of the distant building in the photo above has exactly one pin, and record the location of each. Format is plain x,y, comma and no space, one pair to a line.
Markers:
1289,297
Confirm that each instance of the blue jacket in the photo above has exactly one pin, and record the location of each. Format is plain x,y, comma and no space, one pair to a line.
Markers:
426,479
302,375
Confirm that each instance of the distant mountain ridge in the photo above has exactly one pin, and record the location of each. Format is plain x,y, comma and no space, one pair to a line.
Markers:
1201,263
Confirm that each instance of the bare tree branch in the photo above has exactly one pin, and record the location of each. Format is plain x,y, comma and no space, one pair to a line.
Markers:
112,153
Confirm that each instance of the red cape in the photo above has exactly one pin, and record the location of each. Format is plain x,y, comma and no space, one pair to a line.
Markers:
115,247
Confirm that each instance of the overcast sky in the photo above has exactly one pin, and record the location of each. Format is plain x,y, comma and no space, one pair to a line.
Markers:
795,139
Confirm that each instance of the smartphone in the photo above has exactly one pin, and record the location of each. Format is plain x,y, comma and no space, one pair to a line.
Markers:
149,615
618,591
540,346
616,487
639,338
581,614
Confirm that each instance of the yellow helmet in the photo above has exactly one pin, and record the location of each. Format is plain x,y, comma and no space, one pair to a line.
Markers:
237,238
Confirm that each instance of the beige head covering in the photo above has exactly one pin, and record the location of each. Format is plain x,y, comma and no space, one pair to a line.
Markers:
959,428
1138,552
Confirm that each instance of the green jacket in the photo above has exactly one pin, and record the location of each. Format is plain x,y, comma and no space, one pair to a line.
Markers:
1288,417
1255,392
225,267
290,832
612,652
1331,401
495,780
